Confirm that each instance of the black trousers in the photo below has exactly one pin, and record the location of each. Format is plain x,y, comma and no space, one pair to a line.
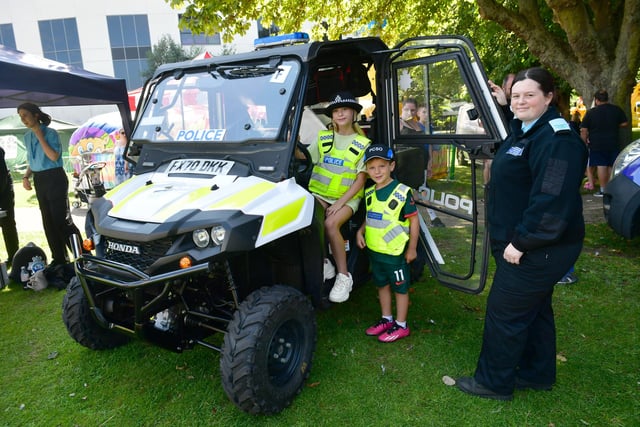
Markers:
52,191
519,337
8,223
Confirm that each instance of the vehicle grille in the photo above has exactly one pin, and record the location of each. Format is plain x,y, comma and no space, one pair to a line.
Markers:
149,252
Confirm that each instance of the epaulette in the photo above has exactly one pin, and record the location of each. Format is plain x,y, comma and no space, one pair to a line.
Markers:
559,125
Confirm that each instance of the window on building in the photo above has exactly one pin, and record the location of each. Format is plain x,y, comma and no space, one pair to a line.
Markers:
60,41
187,38
6,36
130,43
271,30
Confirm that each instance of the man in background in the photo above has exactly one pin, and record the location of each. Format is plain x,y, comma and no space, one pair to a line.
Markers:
600,131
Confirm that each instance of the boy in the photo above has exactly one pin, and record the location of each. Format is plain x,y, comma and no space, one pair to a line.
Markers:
391,234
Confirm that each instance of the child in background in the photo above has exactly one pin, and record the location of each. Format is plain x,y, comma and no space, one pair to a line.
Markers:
337,182
390,232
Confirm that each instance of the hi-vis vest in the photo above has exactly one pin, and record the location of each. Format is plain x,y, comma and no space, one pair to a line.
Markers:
336,171
385,233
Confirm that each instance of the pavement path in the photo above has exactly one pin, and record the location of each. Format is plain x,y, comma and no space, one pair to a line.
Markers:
29,219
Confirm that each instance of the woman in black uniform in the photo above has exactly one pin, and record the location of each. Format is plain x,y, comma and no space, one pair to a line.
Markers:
536,229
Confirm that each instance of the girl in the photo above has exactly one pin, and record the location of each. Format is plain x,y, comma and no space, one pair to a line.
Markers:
337,181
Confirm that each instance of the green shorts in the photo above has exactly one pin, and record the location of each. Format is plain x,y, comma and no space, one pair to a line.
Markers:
398,276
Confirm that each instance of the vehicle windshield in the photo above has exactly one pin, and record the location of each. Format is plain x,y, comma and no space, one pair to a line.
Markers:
222,103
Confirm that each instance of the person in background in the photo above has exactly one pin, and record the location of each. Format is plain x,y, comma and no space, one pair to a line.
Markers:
600,131
121,166
337,182
44,155
502,94
7,211
536,227
410,124
390,233
423,119
575,122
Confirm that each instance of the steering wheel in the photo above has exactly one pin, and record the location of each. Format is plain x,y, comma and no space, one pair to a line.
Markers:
302,167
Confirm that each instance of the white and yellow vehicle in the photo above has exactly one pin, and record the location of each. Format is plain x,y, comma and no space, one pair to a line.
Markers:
216,232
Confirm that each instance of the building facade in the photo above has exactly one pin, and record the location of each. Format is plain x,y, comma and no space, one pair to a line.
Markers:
111,38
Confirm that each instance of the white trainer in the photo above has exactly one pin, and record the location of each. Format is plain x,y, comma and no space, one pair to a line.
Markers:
329,270
341,288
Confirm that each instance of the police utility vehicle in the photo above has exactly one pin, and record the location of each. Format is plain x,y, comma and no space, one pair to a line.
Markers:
216,241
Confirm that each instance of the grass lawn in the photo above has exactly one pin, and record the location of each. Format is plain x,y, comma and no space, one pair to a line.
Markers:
48,379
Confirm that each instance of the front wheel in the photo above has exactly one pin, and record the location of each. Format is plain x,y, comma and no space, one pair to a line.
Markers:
268,349
80,323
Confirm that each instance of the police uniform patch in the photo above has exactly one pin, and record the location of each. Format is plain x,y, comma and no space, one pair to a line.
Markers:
559,125
515,151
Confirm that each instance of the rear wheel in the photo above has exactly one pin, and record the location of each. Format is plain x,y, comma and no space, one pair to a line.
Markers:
81,325
268,349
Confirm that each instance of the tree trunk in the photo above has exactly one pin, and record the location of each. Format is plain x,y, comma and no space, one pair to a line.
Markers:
592,45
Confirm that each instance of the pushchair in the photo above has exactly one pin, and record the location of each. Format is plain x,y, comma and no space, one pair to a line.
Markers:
88,183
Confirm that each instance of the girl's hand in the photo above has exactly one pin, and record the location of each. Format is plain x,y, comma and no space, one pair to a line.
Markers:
334,208
26,184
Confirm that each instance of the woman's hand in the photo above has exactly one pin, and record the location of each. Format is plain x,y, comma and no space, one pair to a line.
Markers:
512,255
38,132
26,184
498,93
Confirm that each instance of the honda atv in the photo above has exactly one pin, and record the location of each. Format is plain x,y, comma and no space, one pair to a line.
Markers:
217,233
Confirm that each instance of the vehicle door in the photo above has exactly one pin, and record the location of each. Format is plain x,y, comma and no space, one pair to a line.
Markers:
443,157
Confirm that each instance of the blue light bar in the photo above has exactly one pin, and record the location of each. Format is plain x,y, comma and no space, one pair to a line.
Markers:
281,40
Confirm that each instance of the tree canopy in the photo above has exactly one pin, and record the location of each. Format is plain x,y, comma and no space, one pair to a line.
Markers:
166,51
590,44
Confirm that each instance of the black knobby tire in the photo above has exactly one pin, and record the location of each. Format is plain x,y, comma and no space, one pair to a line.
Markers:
268,349
80,323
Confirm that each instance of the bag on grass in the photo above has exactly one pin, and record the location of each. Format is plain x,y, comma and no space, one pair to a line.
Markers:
38,281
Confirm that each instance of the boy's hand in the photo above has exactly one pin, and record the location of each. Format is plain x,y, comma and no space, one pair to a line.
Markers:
410,255
360,240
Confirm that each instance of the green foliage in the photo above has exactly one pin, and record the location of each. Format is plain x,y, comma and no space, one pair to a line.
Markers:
167,51
588,45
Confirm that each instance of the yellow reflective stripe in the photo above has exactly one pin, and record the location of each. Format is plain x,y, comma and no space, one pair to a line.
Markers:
180,203
281,217
135,193
243,197
115,190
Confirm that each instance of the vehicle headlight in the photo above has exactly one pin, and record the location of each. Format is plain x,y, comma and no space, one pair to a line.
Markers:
218,234
201,238
630,153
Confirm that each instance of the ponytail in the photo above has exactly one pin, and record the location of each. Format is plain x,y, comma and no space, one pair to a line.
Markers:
42,117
